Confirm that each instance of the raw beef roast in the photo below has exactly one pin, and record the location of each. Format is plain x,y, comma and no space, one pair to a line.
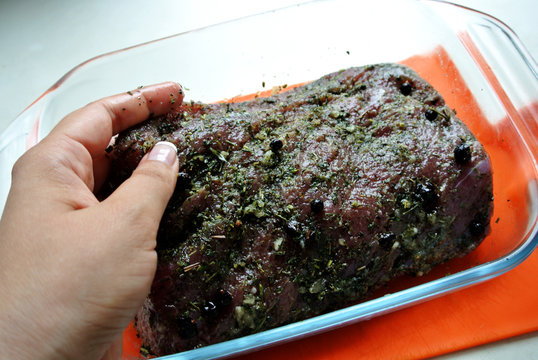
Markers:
300,203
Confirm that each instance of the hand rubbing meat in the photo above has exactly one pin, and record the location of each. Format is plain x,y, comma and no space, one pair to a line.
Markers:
294,205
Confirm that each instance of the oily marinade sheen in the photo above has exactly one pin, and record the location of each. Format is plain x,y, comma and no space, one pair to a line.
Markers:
293,205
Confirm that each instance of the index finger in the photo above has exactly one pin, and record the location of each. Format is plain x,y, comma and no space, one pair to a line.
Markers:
94,125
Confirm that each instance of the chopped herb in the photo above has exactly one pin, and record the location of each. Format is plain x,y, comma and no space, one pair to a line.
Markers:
191,267
219,154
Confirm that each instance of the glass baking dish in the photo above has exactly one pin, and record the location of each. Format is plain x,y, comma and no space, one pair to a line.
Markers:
476,62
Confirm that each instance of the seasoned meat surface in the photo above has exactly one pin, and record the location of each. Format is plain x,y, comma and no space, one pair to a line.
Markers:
300,203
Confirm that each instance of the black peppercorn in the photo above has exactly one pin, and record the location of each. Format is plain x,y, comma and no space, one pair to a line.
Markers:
187,328
430,114
406,88
276,145
223,298
209,310
316,206
462,154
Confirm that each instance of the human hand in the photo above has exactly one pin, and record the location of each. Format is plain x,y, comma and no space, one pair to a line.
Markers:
73,270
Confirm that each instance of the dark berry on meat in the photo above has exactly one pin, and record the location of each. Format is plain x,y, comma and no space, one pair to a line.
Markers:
209,310
187,327
406,88
223,298
386,240
292,228
462,154
276,145
430,114
316,205
477,228
426,194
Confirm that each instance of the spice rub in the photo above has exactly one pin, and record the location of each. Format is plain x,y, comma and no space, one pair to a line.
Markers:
294,205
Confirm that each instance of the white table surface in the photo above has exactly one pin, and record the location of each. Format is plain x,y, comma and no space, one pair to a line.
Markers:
41,40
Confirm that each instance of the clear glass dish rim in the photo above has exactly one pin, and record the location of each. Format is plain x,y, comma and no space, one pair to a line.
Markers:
370,308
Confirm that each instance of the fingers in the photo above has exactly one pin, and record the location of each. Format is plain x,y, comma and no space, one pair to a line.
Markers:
88,131
95,124
72,158
141,199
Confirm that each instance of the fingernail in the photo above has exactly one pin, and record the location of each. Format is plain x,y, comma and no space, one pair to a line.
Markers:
163,151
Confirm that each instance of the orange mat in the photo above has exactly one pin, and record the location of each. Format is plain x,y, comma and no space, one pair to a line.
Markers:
497,309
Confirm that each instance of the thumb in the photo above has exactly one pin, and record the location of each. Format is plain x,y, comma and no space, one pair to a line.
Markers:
142,198
115,350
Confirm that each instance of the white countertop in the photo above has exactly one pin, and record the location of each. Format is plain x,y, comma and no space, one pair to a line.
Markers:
41,40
